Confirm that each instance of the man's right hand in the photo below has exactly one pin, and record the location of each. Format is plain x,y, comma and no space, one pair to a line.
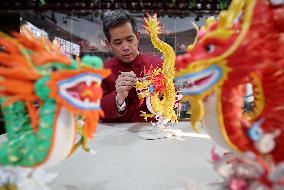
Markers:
123,84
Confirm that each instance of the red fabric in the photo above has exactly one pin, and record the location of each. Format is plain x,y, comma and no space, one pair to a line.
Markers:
133,105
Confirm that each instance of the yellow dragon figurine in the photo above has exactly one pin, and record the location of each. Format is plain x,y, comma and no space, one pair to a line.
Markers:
157,85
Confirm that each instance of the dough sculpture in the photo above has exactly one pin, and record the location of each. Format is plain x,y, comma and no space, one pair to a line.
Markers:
157,86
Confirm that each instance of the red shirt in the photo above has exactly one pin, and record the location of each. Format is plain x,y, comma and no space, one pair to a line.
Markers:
133,104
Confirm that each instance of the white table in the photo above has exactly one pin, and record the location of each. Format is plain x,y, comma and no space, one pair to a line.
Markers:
123,161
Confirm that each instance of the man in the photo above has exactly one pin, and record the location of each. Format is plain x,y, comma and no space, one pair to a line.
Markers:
120,102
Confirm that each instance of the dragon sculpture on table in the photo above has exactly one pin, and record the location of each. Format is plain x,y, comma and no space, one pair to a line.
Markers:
245,45
42,93
157,85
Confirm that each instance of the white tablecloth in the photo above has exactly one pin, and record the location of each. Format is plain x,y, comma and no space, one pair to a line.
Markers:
123,161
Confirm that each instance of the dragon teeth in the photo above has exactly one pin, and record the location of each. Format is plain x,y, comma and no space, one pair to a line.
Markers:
86,101
88,82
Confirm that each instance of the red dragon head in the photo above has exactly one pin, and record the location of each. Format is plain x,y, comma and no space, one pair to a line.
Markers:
243,45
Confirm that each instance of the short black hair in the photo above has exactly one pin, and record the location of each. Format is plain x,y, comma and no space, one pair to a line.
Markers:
118,17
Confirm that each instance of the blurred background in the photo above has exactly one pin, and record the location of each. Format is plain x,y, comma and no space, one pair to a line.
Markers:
78,24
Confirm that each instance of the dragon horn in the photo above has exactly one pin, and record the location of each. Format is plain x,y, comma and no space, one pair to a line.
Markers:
227,18
155,16
146,23
189,47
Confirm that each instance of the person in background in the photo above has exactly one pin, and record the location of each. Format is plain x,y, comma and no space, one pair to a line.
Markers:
120,102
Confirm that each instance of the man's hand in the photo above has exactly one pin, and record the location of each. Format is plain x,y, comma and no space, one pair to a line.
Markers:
124,82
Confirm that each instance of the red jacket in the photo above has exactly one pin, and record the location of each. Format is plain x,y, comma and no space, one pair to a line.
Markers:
133,104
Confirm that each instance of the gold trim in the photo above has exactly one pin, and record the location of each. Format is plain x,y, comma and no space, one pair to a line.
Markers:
221,123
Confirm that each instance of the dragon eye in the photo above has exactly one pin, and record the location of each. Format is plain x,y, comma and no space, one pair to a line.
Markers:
52,68
210,48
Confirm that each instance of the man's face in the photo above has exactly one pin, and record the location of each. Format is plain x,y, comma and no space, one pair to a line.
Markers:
124,42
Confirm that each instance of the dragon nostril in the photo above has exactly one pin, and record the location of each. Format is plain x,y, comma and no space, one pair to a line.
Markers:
183,60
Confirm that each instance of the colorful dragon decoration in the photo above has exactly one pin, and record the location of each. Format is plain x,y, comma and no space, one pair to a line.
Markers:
245,45
42,92
157,85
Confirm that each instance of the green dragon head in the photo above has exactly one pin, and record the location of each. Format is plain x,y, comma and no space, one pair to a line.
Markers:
37,71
